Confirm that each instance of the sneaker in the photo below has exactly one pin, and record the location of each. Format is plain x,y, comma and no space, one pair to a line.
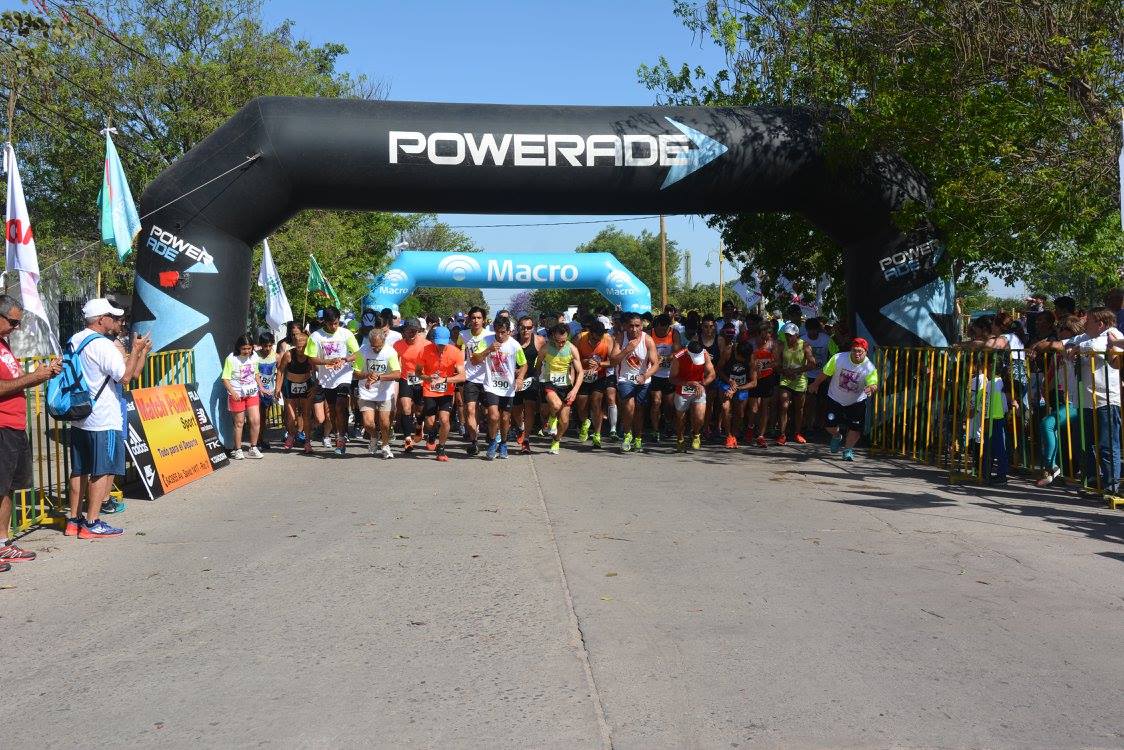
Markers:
653,437
237,454
308,447
800,439
731,441
373,447
99,529
760,442
341,446
328,441
848,455
71,528
782,439
408,444
998,480
681,445
525,449
555,447
431,445
836,443
503,450
696,442
301,437
1048,477
472,448
626,443
254,453
613,436
748,439
11,553
596,439
493,446
5,567
441,455
637,444
583,431
544,432
111,506
386,452
289,443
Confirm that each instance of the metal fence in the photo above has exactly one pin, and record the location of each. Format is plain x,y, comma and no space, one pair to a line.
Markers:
45,502
983,413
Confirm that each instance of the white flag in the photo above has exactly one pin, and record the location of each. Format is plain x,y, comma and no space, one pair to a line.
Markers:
277,310
20,244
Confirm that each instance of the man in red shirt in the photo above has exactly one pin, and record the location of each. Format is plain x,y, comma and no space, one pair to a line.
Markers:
15,450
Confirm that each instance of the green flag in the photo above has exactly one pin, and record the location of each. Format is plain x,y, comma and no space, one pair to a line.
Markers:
320,285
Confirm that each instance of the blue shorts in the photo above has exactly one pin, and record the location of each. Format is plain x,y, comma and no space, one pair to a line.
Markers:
627,389
724,387
96,453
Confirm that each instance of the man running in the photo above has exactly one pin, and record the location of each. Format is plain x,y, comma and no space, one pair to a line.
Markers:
333,349
668,342
505,367
410,399
854,379
441,367
796,360
594,347
379,369
691,372
736,378
561,375
526,400
764,372
469,340
634,356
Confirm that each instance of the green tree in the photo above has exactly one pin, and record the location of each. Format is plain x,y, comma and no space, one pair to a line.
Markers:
1009,108
429,234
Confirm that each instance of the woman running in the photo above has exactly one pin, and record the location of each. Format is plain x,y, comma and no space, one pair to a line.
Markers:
297,389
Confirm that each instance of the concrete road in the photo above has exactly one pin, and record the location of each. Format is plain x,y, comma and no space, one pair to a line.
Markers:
577,601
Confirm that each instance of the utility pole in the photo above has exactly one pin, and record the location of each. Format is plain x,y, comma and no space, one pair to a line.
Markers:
687,269
663,264
721,250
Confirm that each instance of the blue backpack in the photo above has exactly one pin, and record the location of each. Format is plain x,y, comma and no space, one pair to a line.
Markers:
68,394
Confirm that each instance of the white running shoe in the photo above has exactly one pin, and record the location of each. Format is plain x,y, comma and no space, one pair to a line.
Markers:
237,455
386,452
372,446
254,452
329,442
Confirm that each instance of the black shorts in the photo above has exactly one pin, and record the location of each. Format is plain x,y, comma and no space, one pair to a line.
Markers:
661,385
15,462
529,394
434,404
412,392
495,399
852,417
297,391
560,390
331,395
472,392
764,387
587,388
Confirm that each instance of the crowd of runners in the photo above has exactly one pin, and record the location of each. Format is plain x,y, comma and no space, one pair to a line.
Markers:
505,384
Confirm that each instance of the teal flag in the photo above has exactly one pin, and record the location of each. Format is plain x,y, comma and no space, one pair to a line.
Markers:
119,221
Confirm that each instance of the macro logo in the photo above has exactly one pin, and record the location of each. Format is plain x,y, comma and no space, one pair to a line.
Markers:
458,266
394,281
619,279
620,284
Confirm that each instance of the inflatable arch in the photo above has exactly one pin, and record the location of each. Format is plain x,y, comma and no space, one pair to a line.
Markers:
278,155
599,271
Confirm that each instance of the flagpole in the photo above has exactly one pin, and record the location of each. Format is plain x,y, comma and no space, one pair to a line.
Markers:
304,315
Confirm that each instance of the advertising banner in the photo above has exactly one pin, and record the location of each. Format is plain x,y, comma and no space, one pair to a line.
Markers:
170,437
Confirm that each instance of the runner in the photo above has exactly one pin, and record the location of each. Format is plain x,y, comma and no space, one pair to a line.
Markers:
267,368
691,372
853,380
379,370
668,342
594,347
242,380
441,367
714,344
505,366
410,399
820,343
796,360
560,375
614,329
736,378
526,401
764,367
469,340
333,349
634,356
295,372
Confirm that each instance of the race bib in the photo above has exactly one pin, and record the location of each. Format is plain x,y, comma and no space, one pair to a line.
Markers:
738,379
590,377
377,367
688,390
439,387
413,379
504,384
665,362
631,378
560,378
527,383
298,389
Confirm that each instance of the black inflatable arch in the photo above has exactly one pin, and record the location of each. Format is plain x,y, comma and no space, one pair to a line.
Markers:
279,155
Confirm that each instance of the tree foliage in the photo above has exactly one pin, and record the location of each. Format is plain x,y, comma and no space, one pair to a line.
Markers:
1010,108
440,301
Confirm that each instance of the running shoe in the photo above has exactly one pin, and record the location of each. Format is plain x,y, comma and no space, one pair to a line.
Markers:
799,439
613,436
71,528
503,450
596,439
836,443
472,448
848,455
372,447
555,447
626,443
681,445
525,449
11,553
441,455
5,567
782,439
552,427
653,437
544,432
237,454
111,506
431,445
761,443
386,452
748,439
521,437
1048,477
341,446
696,442
408,444
308,447
99,529
301,437
328,441
637,444
731,441
254,453
289,443
583,431
493,447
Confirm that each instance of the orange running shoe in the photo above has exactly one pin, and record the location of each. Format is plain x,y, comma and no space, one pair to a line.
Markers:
782,439
761,442
731,441
800,439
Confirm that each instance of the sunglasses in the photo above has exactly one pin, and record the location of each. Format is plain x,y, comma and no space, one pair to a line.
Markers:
13,322
527,328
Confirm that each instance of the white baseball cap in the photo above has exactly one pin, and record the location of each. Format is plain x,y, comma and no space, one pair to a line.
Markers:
98,307
792,329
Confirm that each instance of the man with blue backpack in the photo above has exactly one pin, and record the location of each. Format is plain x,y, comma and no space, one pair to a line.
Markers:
97,447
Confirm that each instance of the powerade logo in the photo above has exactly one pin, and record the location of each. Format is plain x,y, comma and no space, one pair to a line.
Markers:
169,246
683,153
394,281
910,261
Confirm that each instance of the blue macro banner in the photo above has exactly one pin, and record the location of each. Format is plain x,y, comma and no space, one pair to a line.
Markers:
601,272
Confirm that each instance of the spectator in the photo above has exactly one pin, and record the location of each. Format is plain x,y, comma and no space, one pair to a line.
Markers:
15,450
97,451
1100,401
1114,301
1064,306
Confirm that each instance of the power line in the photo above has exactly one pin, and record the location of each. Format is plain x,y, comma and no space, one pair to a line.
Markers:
78,124
97,27
552,223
